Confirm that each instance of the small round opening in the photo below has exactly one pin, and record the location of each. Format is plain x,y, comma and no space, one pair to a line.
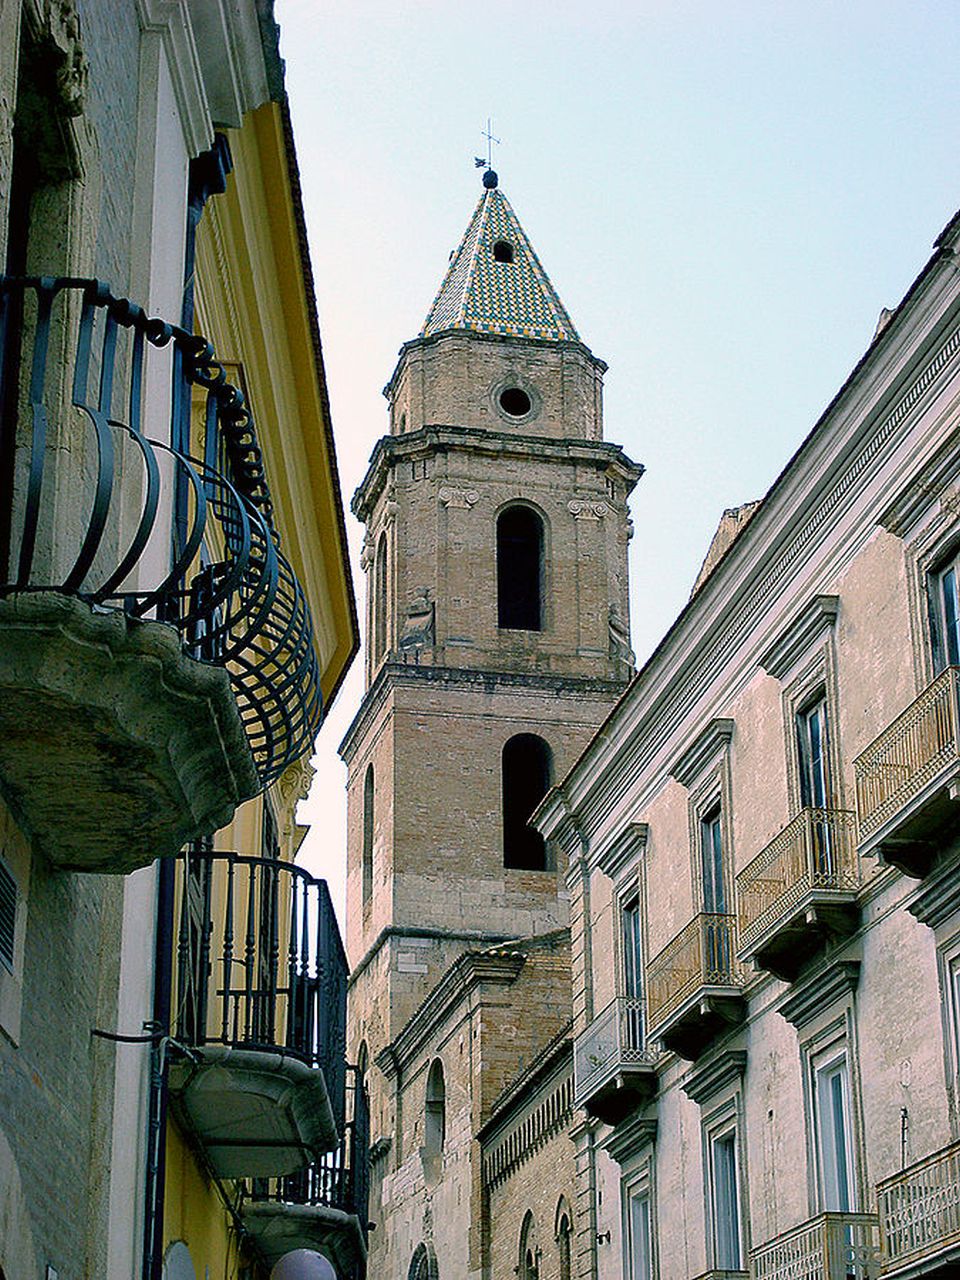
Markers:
515,401
503,251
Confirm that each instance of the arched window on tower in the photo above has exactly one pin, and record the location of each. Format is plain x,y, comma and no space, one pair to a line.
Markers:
519,570
564,1233
368,802
527,769
435,1115
529,1261
380,600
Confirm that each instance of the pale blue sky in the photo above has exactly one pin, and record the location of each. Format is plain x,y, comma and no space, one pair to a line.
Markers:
724,195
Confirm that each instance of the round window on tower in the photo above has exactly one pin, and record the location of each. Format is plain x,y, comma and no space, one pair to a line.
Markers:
515,402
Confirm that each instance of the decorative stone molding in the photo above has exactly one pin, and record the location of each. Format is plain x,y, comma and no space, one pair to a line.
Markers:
707,744
419,625
389,513
800,635
625,848
587,509
367,554
619,638
379,1149
707,1079
61,43
823,989
629,1138
462,499
936,483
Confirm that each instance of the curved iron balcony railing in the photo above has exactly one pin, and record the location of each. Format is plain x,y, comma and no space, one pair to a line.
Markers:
260,963
93,507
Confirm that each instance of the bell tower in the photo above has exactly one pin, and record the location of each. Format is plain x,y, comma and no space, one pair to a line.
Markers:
497,636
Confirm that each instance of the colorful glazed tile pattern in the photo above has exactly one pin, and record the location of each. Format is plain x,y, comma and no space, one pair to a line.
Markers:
483,295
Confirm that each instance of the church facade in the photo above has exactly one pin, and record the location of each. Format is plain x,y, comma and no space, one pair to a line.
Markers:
496,555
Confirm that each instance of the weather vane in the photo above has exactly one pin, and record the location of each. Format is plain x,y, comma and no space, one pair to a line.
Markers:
479,161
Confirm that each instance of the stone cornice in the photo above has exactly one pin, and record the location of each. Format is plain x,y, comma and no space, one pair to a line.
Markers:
706,746
625,848
466,973
439,935
708,1078
630,1137
818,992
938,897
501,339
830,475
936,481
401,674
481,442
800,635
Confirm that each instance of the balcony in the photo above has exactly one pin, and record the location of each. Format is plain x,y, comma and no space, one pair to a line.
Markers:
323,1208
799,892
613,1071
832,1246
908,779
156,649
716,1274
920,1217
261,1015
694,985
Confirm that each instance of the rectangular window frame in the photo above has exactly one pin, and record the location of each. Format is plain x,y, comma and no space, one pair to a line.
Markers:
948,965
724,1124
943,610
638,1186
709,804
835,1147
815,684
833,1042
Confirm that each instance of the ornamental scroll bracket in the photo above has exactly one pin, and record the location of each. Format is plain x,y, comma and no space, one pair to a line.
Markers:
587,509
463,499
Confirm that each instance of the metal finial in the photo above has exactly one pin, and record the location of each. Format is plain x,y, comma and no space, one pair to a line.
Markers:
489,177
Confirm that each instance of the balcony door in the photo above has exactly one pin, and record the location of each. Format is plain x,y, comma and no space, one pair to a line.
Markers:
718,958
632,973
725,1196
813,761
638,1232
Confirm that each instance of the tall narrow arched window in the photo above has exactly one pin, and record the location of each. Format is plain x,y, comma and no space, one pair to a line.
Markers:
563,1241
519,570
368,802
380,600
527,769
435,1116
529,1261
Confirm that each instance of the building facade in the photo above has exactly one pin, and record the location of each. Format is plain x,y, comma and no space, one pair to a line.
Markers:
496,556
762,867
176,613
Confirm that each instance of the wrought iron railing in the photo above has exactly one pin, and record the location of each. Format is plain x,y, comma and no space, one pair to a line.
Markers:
920,1209
90,506
816,851
613,1042
703,954
341,1179
260,962
922,742
832,1246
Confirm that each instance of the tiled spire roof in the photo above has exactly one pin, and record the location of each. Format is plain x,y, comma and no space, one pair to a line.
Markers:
484,293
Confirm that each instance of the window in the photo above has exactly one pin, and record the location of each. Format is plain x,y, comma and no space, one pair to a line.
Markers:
945,615
367,867
563,1242
515,402
725,1200
380,600
423,1264
639,1260
503,251
711,862
520,570
811,725
529,1261
435,1116
526,764
833,1132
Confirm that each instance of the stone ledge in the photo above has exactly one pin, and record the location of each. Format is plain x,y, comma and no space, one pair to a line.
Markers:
115,747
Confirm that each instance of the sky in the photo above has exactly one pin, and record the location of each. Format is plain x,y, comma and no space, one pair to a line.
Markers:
724,194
